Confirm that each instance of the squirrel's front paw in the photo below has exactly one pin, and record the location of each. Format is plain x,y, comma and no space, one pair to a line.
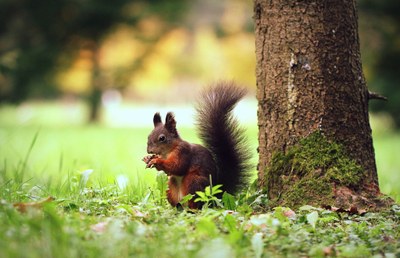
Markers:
149,160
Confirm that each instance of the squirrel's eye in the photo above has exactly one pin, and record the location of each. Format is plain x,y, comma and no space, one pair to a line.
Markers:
161,138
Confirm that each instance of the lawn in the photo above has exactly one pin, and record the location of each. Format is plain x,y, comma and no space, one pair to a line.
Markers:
107,205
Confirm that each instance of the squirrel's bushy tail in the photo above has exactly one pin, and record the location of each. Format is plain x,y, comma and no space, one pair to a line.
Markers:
222,135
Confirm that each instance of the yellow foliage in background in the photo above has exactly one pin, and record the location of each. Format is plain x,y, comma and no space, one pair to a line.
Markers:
182,57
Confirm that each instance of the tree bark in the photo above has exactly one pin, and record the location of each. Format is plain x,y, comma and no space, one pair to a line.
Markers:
309,79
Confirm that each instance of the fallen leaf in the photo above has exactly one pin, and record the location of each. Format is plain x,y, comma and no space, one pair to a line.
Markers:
138,214
351,210
24,206
290,214
99,227
329,250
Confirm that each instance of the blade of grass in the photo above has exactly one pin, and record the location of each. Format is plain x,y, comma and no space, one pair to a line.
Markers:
61,162
24,163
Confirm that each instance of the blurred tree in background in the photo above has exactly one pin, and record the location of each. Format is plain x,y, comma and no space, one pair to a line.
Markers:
37,38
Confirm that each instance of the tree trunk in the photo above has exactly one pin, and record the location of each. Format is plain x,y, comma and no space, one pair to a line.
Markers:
310,81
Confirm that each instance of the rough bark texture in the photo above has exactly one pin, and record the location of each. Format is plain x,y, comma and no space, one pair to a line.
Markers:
309,78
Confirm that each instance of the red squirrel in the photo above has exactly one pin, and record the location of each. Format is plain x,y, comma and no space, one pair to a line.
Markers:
225,154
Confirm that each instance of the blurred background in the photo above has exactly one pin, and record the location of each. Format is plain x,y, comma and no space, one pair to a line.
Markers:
95,60
80,80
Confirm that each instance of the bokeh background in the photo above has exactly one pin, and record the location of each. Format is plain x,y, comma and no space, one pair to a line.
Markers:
87,63
93,55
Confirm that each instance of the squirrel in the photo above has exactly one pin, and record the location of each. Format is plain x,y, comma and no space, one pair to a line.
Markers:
225,154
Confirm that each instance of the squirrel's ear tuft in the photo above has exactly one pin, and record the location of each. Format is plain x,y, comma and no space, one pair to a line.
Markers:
170,123
156,119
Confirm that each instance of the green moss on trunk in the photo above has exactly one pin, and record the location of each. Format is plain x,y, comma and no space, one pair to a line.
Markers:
309,173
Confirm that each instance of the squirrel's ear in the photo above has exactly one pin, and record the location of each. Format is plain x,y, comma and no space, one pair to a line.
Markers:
170,123
156,119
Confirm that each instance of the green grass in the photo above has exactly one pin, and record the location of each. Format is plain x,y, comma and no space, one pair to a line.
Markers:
62,152
108,205
387,149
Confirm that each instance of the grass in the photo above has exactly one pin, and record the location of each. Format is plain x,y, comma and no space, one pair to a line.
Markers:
107,205
387,148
